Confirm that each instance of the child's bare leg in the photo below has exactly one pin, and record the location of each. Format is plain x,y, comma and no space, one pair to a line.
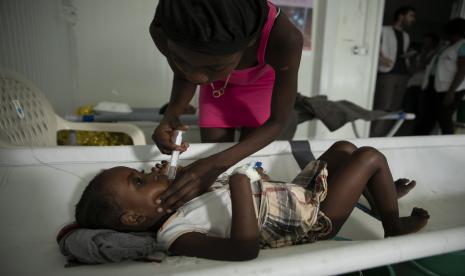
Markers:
368,167
338,154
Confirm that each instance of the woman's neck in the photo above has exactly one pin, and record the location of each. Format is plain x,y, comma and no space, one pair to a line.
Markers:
249,58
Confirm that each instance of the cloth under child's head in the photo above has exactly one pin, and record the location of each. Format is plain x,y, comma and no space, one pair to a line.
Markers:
123,199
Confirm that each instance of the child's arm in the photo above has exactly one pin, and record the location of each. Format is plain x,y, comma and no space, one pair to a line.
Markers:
243,242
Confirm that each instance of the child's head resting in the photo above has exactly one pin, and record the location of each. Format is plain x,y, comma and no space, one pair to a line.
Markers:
122,199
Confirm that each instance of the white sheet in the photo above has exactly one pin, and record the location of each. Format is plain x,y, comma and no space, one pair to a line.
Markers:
39,186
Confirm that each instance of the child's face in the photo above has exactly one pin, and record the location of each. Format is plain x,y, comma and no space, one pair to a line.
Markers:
137,193
200,68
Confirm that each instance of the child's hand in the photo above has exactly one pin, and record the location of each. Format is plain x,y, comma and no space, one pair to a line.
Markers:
263,175
161,167
164,166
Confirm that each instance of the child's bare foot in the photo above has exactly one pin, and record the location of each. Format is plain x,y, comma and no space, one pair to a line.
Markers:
411,224
403,186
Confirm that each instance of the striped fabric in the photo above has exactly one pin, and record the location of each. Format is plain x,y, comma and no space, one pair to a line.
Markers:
289,213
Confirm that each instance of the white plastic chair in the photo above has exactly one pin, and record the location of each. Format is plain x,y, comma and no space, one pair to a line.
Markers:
28,119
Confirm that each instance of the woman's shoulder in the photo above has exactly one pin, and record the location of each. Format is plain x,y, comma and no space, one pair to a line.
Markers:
285,41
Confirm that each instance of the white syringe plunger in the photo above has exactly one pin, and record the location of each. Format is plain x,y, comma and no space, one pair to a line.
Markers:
175,155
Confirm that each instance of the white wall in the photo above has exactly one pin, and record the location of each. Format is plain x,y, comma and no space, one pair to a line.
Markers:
117,60
115,52
338,72
35,41
111,55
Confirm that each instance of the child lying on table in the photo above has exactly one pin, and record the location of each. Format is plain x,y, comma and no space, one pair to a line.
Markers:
252,212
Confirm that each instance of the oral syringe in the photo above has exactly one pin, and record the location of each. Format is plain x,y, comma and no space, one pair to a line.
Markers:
175,155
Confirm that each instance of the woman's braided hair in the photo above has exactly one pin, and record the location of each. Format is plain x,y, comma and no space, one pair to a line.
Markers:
211,26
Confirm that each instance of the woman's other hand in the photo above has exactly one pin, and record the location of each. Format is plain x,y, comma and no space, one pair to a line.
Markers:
190,182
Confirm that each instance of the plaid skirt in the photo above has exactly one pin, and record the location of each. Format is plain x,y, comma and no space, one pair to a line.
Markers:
289,213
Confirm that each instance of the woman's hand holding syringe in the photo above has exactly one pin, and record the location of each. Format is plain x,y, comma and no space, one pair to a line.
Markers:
172,168
175,155
193,180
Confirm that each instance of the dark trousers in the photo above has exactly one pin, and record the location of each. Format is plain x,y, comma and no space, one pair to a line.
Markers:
412,104
433,110
389,95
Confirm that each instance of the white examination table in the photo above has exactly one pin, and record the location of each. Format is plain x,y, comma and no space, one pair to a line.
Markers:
38,193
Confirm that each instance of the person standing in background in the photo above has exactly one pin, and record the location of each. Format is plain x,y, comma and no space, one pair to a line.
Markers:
414,99
444,81
392,70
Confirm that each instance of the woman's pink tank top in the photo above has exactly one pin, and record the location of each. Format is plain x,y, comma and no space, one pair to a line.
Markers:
246,101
